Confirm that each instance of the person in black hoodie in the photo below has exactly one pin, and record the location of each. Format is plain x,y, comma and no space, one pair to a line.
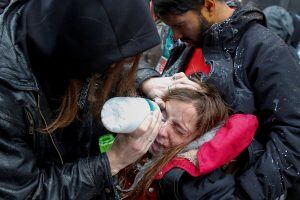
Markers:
280,21
59,61
256,73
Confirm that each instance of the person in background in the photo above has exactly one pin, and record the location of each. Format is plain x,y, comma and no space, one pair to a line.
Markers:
281,23
254,71
59,61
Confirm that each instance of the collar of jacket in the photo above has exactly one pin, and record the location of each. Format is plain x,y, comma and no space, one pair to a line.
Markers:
14,69
229,32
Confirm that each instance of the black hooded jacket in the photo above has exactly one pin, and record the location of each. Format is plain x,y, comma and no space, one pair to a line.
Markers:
256,73
52,41
74,38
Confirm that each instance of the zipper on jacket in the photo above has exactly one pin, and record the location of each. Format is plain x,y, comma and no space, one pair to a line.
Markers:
45,122
31,126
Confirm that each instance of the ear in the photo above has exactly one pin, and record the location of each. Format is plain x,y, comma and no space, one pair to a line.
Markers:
208,10
210,5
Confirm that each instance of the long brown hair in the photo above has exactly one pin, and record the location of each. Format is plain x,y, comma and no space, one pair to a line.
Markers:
119,78
211,110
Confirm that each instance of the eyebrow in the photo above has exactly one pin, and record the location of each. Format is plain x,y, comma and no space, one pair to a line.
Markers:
175,123
180,126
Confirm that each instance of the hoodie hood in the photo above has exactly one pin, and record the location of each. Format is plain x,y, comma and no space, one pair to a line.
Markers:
231,30
280,22
74,38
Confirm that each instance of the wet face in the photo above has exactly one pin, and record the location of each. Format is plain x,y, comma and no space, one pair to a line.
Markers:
187,27
178,126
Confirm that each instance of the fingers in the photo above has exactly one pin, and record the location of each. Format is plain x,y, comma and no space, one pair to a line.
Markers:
147,134
153,134
147,125
156,119
179,76
155,126
181,81
135,144
182,78
156,87
185,86
160,103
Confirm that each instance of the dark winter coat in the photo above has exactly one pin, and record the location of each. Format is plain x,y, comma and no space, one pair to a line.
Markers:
256,73
65,164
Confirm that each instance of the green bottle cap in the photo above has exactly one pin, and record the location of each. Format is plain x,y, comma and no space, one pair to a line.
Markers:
105,142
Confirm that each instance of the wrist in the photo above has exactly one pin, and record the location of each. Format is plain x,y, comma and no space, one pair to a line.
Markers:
147,88
114,164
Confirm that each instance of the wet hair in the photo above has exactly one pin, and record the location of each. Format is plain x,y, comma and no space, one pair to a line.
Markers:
176,7
120,78
211,111
209,105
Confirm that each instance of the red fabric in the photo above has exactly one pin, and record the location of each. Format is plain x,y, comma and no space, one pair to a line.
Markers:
230,140
150,195
197,63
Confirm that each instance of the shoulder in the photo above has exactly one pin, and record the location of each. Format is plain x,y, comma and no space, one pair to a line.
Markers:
264,49
260,36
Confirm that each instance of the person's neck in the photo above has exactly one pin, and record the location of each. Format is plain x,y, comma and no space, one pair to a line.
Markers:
224,12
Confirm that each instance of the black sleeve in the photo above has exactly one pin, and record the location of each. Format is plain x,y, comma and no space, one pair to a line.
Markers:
22,177
274,75
177,184
145,72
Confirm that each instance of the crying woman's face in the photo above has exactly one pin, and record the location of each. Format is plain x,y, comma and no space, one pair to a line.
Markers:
178,126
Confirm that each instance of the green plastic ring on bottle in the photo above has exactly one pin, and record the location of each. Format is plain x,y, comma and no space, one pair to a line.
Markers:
105,142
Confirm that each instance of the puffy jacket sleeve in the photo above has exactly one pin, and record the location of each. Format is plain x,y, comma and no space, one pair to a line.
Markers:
22,177
274,76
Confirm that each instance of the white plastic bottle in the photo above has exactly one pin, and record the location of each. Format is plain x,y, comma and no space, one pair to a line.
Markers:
125,114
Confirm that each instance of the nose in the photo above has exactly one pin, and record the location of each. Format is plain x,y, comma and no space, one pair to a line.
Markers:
176,34
163,131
